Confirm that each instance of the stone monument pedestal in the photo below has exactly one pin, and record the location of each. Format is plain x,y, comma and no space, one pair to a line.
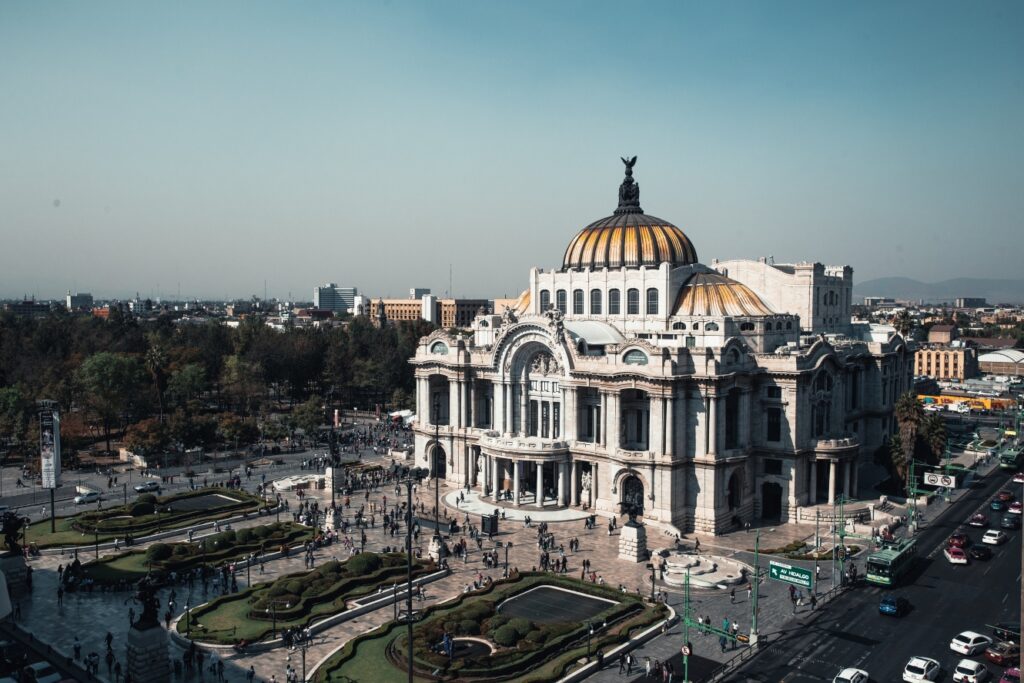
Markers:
633,542
148,659
434,551
16,572
332,519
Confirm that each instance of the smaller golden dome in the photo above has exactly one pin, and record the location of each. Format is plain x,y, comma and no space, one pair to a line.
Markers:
713,294
522,304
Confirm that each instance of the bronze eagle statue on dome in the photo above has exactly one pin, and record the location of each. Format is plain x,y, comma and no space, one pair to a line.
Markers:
630,163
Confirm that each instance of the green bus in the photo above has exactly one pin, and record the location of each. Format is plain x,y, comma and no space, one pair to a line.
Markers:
1011,458
887,566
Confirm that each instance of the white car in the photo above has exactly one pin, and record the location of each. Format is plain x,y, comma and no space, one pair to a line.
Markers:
920,669
852,676
995,537
45,673
970,671
87,497
955,555
147,486
970,643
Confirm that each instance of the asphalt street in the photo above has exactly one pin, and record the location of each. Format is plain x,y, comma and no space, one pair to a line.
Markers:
946,599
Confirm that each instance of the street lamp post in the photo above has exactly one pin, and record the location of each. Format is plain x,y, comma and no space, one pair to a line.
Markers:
653,568
188,621
507,546
437,475
272,610
96,527
590,633
411,477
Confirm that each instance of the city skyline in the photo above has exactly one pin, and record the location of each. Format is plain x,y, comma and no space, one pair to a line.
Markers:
224,146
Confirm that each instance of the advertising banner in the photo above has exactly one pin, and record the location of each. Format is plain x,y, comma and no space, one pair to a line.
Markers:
49,447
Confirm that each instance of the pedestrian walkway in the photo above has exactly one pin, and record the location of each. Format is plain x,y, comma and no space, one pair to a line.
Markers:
475,505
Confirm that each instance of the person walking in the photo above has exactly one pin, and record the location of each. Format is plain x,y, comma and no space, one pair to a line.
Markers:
629,663
60,596
732,596
814,602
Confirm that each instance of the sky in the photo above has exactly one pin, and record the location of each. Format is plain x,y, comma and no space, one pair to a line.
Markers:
223,149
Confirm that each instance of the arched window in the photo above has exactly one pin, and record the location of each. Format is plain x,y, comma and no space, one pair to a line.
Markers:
577,302
545,300
789,324
696,326
778,325
733,356
635,357
652,301
614,302
440,348
560,302
746,327
632,302
483,323
710,327
678,326
595,302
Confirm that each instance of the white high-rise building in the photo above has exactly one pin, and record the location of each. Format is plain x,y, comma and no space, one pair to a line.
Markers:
331,297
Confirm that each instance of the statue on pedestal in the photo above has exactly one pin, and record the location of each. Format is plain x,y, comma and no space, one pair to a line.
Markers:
145,595
12,526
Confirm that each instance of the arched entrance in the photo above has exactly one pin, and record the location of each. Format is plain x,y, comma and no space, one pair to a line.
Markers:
437,461
633,493
734,492
771,500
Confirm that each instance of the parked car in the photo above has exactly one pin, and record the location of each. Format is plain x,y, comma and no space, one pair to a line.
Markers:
995,537
1018,478
979,552
920,669
893,605
1015,508
955,555
87,497
1003,654
969,643
970,671
1005,496
852,676
1011,675
43,672
997,505
147,486
979,520
1007,630
1010,522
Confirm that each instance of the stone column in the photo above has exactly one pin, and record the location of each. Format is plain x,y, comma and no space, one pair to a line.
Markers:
684,402
604,419
813,492
540,483
472,467
832,476
561,484
613,425
570,414
670,425
592,494
656,425
495,474
712,430
515,482
524,411
574,491
744,430
470,403
454,403
853,479
846,478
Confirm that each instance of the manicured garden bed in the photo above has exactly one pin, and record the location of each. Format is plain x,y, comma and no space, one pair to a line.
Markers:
524,652
213,550
146,515
297,599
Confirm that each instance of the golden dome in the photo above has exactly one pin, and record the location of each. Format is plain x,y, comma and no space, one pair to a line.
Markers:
629,238
714,294
522,304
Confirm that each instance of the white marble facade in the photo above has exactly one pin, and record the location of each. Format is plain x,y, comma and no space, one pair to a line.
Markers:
703,404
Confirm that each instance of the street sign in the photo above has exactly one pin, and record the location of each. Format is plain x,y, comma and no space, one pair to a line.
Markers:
798,576
936,479
687,650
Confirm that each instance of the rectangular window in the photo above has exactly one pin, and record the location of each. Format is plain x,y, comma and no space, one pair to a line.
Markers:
577,302
556,420
772,466
774,417
595,302
773,392
588,425
545,300
531,427
545,419
652,301
560,302
614,303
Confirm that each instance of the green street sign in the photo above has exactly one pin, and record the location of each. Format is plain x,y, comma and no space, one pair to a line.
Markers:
798,576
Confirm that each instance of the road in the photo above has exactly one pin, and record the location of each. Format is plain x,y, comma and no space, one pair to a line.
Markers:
946,600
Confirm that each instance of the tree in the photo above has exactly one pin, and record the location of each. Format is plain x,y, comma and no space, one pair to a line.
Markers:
308,417
933,433
147,437
243,383
109,384
236,431
14,415
156,363
898,463
909,415
187,382
903,323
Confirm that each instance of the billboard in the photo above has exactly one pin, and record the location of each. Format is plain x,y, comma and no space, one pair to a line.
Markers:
49,446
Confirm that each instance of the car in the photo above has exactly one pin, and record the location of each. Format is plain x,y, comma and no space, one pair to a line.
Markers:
1015,508
920,669
955,555
1007,630
979,552
1010,522
979,520
1003,654
893,605
970,671
852,676
147,486
1018,478
995,537
969,643
1011,675
87,497
958,540
997,505
1005,496
44,672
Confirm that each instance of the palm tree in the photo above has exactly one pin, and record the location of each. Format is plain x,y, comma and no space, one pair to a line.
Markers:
903,323
933,429
898,463
909,415
156,363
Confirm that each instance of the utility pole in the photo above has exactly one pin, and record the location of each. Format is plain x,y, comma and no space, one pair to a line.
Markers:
757,586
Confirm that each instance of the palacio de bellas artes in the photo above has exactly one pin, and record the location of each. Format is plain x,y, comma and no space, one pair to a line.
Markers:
632,376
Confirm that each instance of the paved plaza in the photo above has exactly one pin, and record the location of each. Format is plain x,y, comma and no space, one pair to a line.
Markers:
90,616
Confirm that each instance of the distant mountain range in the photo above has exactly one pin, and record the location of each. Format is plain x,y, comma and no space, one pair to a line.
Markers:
992,290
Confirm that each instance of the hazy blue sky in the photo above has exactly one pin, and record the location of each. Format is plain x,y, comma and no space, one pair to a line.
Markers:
221,144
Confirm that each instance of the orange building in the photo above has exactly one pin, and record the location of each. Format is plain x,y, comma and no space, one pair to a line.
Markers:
946,362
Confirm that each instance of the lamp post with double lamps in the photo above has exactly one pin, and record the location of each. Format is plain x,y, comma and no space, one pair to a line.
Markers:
272,610
302,642
409,478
